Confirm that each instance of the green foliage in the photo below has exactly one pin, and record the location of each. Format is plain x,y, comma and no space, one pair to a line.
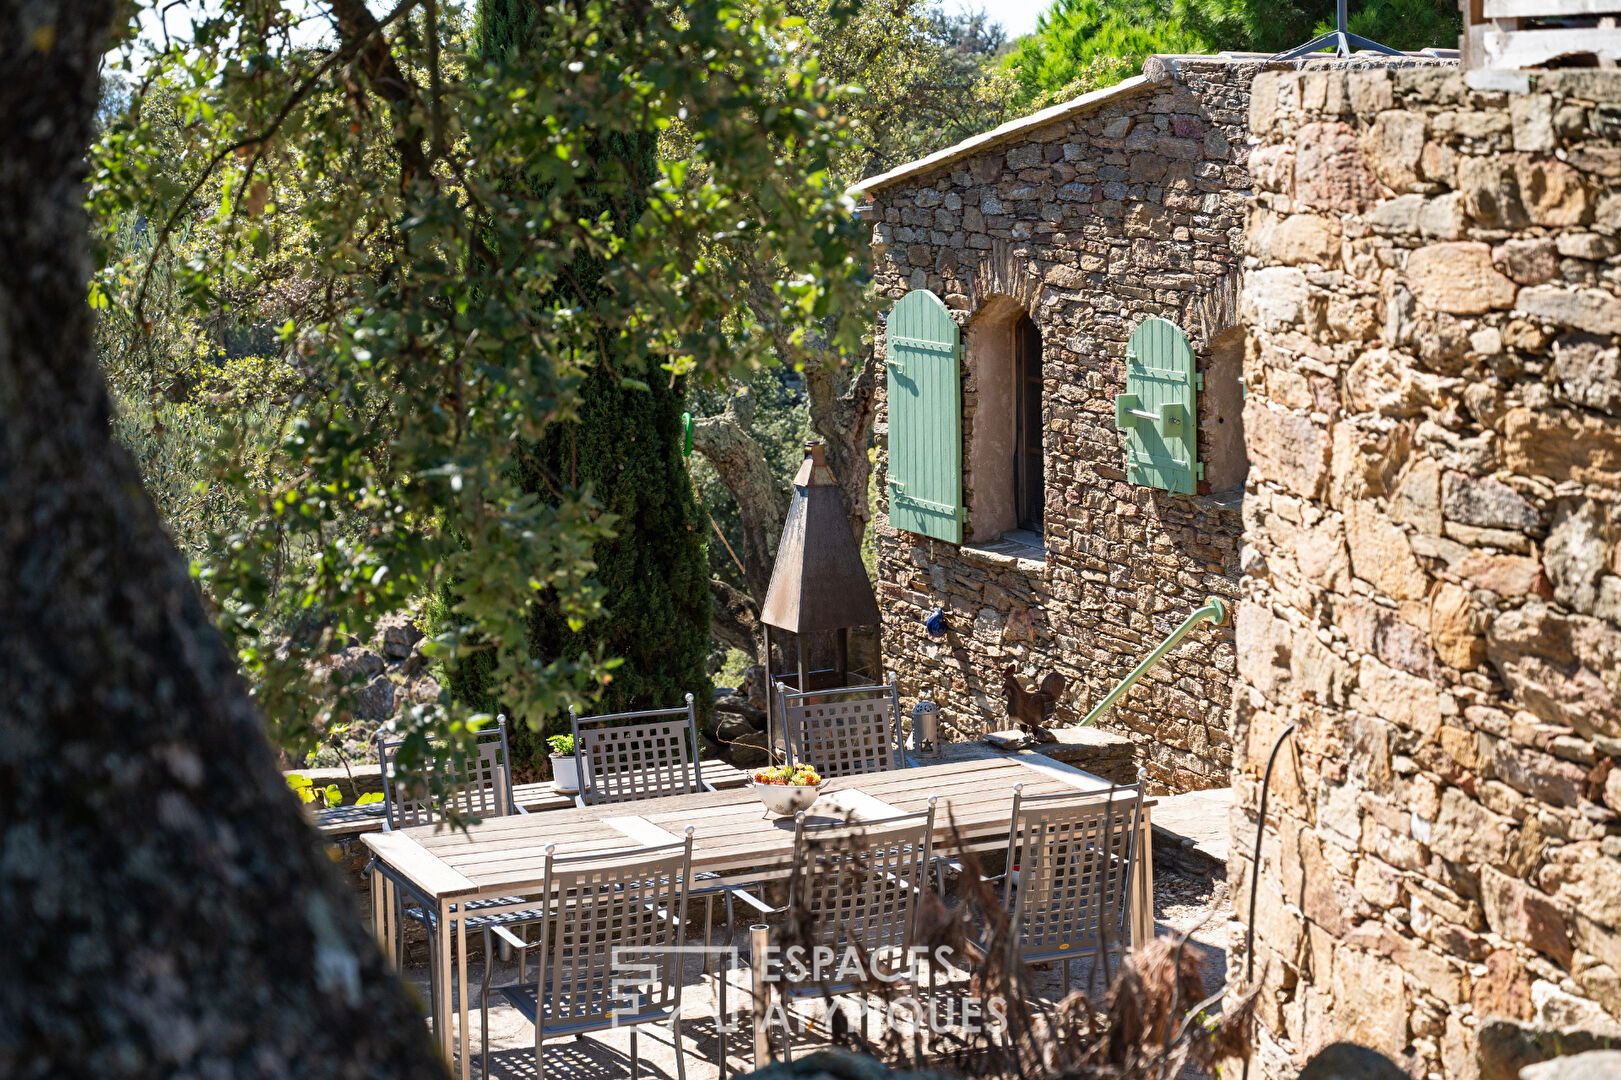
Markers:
1082,45
352,215
1275,25
625,446
562,745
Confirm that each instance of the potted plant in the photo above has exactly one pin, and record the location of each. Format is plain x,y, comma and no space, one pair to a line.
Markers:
565,767
786,789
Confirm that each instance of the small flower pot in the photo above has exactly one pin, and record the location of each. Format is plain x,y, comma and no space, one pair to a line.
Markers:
565,774
786,799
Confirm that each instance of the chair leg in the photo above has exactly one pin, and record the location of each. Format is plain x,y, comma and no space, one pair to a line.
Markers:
1065,963
484,1009
433,977
720,1018
709,925
680,1053
635,1057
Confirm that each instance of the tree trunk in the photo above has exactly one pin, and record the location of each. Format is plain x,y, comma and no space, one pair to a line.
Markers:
762,499
166,907
734,618
844,420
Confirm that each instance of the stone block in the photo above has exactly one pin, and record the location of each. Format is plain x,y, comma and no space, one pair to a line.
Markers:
1417,498
1559,445
1452,628
1370,1000
1381,555
1532,118
1467,832
1491,192
1563,668
1383,633
1330,173
1505,988
1306,238
1458,278
1582,876
1370,91
1553,193
1528,262
1286,448
1518,912
1585,309
1487,503
1394,144
1397,698
1507,575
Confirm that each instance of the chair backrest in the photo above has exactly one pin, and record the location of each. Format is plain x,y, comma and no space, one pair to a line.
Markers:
843,732
611,949
481,785
1075,855
623,757
860,881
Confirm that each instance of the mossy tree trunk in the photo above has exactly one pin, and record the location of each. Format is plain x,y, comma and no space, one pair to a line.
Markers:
166,909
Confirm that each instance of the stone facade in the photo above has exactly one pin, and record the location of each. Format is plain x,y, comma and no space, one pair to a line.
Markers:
1432,572
1127,208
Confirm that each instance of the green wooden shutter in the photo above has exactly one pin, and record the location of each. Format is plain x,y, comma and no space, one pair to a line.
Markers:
925,418
1158,411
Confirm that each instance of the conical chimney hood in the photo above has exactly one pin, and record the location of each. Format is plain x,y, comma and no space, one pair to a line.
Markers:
818,582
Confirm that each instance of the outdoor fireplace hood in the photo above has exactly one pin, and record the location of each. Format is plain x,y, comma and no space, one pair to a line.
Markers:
818,582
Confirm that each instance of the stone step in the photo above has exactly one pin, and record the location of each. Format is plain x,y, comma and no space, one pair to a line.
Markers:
1191,830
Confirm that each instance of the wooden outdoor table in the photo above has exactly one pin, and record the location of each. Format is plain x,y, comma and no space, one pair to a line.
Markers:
503,858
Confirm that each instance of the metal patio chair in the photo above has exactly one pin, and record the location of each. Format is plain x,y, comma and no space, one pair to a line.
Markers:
482,784
652,754
843,732
482,788
609,953
655,753
1071,860
860,883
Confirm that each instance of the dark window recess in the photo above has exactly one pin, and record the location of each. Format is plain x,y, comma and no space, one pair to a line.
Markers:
1029,484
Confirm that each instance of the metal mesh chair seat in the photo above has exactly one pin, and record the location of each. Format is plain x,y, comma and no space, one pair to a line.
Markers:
430,918
626,757
843,732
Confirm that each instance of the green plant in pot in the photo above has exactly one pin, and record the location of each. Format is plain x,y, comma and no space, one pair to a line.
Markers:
565,768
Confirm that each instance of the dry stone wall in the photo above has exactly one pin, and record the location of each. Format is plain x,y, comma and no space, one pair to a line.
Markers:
1432,571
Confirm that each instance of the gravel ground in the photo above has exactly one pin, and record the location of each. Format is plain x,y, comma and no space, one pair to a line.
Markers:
1180,902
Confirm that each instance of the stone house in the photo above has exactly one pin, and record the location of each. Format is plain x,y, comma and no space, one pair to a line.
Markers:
1048,241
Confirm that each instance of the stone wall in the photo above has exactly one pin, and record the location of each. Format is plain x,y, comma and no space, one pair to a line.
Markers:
1091,223
1431,561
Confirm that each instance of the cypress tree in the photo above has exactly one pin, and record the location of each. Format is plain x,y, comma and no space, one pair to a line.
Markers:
627,445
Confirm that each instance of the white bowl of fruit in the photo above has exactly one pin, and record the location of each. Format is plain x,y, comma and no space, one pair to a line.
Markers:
786,789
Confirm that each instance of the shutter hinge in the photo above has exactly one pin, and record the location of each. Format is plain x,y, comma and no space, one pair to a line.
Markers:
1198,380
1198,470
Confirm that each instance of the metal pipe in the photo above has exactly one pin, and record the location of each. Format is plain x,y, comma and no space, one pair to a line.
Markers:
1213,609
759,948
1255,872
